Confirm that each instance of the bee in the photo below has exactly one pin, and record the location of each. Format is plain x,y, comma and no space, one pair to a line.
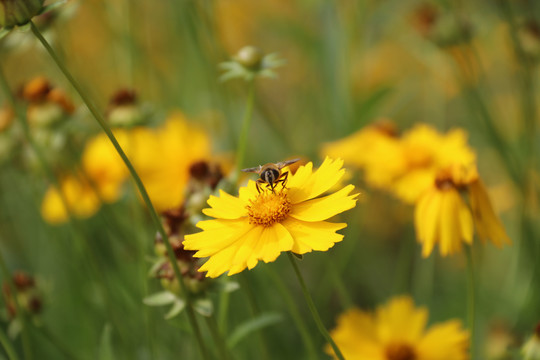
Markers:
270,174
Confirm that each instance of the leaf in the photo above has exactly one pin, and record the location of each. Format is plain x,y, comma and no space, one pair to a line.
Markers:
252,325
105,351
298,256
14,329
160,298
176,309
204,307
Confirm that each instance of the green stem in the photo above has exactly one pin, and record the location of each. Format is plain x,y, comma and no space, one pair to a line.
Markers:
246,124
20,312
218,338
255,311
471,297
8,347
295,314
142,190
313,309
54,340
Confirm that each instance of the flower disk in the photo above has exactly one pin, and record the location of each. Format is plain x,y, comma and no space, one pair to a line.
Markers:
269,208
259,226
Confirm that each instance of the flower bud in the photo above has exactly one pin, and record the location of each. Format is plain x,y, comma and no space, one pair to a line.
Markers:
18,12
250,57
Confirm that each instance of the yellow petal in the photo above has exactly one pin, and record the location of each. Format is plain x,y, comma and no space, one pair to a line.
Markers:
325,207
217,235
225,206
445,341
400,321
308,236
303,186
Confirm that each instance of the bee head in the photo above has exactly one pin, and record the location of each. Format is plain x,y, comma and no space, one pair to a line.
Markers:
270,175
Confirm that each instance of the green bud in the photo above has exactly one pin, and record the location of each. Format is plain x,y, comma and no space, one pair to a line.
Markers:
18,12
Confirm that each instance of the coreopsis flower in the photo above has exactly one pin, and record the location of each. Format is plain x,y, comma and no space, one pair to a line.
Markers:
397,331
406,165
101,179
442,215
250,62
259,225
380,156
425,152
163,158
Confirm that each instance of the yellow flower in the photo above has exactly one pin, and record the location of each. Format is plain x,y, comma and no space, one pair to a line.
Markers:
405,166
425,152
441,216
259,226
162,158
79,196
397,331
375,149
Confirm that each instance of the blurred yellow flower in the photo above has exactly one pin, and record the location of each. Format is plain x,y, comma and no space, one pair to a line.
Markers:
259,226
425,152
406,165
103,174
397,331
442,215
162,158
79,196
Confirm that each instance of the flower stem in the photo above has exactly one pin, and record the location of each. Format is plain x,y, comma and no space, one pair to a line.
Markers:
471,297
21,315
218,338
8,347
255,311
153,214
313,309
246,124
295,314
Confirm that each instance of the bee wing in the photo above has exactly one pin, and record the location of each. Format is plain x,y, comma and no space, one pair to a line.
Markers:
286,163
256,169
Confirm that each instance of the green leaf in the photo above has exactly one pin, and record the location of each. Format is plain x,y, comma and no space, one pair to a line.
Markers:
204,307
251,326
176,309
160,298
105,351
298,256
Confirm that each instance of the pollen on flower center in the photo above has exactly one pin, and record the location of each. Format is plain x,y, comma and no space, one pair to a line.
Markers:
268,208
400,351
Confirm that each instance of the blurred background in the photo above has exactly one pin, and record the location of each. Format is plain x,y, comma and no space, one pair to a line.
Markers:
350,63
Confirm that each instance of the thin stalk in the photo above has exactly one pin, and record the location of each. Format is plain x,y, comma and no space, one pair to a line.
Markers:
255,311
142,190
295,314
21,315
222,349
8,347
246,124
471,298
240,156
313,309
56,342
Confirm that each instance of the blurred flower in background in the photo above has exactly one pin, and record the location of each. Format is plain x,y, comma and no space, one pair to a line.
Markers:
398,330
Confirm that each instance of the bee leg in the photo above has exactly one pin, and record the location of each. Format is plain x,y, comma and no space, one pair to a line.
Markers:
258,185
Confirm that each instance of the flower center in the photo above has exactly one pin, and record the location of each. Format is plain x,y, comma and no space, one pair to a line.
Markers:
268,208
400,351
